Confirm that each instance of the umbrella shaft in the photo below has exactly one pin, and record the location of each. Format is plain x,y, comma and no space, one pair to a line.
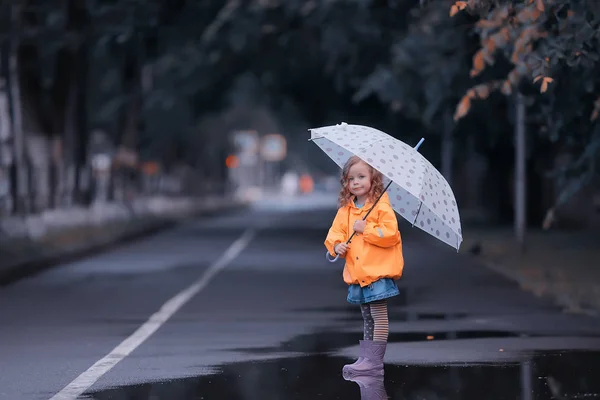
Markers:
371,209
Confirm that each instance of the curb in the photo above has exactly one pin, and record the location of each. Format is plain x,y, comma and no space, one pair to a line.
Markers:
130,231
566,302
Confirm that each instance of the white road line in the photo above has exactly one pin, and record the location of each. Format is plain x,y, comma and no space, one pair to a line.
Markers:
102,366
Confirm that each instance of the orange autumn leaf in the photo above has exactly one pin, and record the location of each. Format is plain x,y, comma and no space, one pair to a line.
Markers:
478,63
498,40
484,23
463,108
479,92
506,87
596,110
540,5
482,91
523,43
453,10
457,6
545,82
491,45
528,15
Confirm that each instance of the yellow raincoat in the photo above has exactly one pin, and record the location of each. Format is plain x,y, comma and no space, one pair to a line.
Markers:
374,254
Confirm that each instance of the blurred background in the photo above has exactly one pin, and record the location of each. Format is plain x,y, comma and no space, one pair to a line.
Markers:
120,117
116,100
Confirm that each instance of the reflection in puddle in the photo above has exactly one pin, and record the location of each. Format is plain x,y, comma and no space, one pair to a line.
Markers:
568,375
371,388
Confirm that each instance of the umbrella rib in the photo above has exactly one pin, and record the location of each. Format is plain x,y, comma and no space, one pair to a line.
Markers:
417,216
377,141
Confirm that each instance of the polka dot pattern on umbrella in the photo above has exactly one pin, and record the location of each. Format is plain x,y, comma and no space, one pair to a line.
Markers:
403,202
402,164
437,195
336,152
419,193
431,223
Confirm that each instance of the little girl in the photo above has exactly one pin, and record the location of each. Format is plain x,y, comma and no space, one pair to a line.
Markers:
374,259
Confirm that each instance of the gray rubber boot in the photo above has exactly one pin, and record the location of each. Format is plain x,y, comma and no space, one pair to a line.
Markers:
361,355
371,365
371,387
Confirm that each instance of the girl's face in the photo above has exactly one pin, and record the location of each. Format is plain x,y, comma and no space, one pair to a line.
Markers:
359,179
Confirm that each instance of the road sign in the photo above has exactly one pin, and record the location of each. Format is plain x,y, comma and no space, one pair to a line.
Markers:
101,162
247,143
273,147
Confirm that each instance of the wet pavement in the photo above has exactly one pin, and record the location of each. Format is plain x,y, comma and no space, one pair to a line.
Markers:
570,375
274,324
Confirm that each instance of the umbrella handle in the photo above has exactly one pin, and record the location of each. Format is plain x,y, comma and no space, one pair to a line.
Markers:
327,257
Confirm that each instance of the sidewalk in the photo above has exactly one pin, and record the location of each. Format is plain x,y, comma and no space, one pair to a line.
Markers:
59,236
561,265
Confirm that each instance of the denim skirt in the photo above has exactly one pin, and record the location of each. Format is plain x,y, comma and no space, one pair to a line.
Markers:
378,290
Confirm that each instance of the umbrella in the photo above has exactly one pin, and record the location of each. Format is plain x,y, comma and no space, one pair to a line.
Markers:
417,190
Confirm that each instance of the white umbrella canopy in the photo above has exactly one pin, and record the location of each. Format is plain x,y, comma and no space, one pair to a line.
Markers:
417,190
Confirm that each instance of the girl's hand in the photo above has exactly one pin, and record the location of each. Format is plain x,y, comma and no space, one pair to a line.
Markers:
341,248
359,225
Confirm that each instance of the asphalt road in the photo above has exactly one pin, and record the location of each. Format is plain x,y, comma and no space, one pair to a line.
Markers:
245,306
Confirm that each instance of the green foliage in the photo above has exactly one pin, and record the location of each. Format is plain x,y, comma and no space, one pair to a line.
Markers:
426,67
417,60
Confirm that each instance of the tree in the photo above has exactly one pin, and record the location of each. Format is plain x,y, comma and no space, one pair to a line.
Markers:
552,44
426,70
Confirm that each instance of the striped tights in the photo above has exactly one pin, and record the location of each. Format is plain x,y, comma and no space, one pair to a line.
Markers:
375,317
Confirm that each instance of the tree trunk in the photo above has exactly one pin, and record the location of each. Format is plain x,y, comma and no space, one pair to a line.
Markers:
70,140
520,172
83,189
70,111
60,97
127,155
20,167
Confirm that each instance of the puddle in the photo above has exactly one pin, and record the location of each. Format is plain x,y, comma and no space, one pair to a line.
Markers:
323,342
568,375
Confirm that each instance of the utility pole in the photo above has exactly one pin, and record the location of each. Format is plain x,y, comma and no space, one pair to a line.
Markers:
447,146
520,200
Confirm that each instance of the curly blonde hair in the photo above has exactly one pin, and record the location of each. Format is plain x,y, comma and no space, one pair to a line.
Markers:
346,196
